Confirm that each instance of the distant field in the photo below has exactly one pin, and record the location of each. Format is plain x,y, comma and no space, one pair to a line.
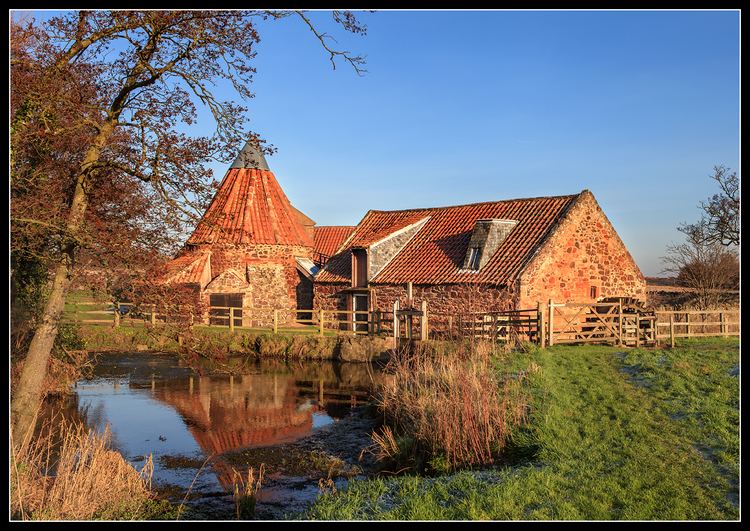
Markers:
669,285
614,435
87,304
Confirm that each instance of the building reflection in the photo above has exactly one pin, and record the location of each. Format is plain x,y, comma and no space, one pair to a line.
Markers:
225,413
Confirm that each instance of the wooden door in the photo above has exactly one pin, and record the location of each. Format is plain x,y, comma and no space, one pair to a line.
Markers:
219,316
360,320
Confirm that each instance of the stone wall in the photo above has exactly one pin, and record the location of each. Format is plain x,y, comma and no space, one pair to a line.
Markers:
267,275
447,299
329,296
442,299
584,251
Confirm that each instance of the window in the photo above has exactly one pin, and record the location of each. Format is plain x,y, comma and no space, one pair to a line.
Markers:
594,292
474,258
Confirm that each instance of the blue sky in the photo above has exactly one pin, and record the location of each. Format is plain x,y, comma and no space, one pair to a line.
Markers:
468,106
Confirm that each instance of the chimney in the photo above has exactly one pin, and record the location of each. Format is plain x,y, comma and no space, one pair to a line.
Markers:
486,238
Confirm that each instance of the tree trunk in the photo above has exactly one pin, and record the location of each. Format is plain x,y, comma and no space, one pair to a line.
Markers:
29,392
28,395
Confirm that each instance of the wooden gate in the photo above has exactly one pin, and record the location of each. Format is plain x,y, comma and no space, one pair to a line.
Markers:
599,323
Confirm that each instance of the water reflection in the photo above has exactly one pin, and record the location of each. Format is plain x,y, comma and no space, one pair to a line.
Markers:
157,405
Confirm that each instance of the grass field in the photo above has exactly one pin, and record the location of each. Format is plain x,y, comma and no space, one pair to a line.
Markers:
614,434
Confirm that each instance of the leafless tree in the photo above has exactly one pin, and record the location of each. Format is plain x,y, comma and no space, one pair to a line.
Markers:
707,267
720,222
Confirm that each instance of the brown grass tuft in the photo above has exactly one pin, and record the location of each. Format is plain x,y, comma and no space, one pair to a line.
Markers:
452,404
246,492
67,473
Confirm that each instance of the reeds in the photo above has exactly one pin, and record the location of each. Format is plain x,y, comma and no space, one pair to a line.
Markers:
246,492
453,405
67,473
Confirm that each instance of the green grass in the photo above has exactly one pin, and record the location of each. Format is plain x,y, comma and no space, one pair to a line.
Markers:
614,434
86,304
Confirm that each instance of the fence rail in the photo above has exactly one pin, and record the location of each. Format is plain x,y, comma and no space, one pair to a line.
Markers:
692,323
552,323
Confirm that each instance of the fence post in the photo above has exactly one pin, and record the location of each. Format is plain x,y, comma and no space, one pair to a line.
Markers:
396,332
423,322
153,315
231,319
320,319
619,322
117,314
540,323
551,323
671,330
637,330
723,324
276,321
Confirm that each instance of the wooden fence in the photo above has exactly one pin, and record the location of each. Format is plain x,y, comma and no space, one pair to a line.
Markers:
550,324
693,323
505,326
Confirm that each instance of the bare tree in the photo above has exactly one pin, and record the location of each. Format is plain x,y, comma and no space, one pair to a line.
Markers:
99,103
708,268
720,222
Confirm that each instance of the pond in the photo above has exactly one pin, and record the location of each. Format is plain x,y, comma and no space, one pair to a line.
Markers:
302,422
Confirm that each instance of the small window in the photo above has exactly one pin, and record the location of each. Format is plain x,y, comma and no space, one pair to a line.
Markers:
594,292
474,258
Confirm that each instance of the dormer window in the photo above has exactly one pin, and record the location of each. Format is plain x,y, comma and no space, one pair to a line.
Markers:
474,256
486,238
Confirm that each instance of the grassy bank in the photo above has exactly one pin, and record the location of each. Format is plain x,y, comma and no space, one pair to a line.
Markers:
217,343
613,434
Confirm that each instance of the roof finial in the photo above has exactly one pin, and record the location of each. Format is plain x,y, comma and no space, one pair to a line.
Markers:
251,156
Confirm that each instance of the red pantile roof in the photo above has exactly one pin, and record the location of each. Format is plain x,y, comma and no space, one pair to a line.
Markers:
329,238
187,269
435,254
251,207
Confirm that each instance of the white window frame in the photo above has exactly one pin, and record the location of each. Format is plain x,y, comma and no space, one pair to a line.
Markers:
474,255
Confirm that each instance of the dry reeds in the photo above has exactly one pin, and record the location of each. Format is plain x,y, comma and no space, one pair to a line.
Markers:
452,404
246,492
67,473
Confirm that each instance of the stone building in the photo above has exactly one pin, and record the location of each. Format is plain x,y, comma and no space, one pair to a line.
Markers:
253,248
481,257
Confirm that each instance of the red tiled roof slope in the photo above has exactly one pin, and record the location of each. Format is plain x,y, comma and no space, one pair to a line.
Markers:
186,269
250,207
435,255
329,238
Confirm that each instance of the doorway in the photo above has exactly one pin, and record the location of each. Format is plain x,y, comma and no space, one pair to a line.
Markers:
220,316
360,320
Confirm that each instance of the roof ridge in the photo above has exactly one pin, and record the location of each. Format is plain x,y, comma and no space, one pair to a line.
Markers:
564,196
